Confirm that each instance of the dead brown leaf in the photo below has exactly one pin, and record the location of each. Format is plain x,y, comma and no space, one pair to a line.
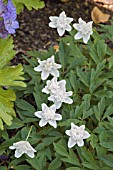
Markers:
98,16
56,48
109,2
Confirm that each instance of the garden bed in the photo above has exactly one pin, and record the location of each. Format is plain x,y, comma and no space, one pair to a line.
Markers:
56,104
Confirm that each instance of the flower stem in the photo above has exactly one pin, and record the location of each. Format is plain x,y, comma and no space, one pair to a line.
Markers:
29,133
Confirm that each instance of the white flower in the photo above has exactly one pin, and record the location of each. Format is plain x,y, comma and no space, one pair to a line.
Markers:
53,85
84,30
48,67
62,23
77,134
23,147
48,115
61,96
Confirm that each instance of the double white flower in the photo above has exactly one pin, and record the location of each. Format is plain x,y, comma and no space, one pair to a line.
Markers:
84,30
48,67
77,134
57,91
62,23
23,147
48,115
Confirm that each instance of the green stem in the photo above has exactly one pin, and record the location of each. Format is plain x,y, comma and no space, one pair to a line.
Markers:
29,133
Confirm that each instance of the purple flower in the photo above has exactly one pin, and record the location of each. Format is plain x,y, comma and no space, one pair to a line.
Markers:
10,7
10,22
3,8
3,32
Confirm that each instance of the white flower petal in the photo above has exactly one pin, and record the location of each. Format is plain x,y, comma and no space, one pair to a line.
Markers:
82,127
45,90
78,36
58,104
68,100
69,20
71,143
51,59
51,98
68,28
53,123
69,93
44,106
53,107
73,126
62,84
80,143
86,135
90,23
42,122
53,18
68,132
76,26
44,75
86,38
11,147
58,117
61,31
39,68
62,16
55,72
57,66
30,154
81,21
53,24
39,61
18,154
38,114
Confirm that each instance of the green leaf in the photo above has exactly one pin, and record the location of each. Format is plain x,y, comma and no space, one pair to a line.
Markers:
74,168
11,76
56,163
93,54
93,140
16,123
63,54
101,49
39,97
83,77
60,150
108,112
19,4
88,156
34,163
99,109
21,167
111,62
107,159
6,106
72,159
6,51
23,105
89,165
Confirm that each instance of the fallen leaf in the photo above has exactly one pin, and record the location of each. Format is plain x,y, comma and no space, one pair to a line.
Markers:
56,48
98,16
109,2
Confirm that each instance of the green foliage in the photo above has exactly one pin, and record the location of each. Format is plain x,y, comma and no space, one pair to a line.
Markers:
36,4
88,71
10,76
